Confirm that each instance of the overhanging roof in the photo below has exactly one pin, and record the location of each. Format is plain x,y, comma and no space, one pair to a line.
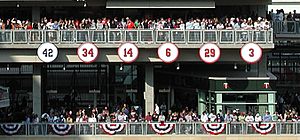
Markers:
160,4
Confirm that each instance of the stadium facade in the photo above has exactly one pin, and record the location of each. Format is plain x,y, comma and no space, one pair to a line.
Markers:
227,82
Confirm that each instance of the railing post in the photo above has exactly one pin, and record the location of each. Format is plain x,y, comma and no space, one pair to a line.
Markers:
127,127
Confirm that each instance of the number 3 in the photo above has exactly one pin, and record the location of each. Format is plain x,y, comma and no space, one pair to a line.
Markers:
251,54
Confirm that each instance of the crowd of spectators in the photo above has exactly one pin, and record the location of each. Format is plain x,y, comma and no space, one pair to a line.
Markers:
128,23
280,16
126,114
148,23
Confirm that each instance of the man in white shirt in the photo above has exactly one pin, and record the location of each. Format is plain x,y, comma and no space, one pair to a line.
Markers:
212,117
204,117
249,118
156,109
161,118
257,118
189,24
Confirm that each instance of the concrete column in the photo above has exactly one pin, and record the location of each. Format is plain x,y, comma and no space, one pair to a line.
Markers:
149,89
262,66
201,102
262,98
219,100
172,97
271,102
37,89
95,99
36,14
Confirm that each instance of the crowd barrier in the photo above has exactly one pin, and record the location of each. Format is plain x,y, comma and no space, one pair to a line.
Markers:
192,128
286,27
136,36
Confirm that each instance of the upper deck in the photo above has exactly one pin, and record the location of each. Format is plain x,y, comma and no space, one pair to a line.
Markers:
112,38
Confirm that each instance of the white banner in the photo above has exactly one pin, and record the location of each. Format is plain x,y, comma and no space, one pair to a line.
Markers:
4,96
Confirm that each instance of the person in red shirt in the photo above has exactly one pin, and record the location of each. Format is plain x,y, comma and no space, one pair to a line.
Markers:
130,24
148,118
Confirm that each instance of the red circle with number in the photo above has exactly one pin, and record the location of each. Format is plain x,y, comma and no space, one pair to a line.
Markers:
251,53
128,52
209,53
168,52
87,52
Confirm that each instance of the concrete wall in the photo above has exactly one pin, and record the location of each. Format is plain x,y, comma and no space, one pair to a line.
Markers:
110,55
185,137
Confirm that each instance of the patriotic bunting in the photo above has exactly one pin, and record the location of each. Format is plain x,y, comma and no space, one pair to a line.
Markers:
214,128
10,129
263,128
61,129
162,128
112,128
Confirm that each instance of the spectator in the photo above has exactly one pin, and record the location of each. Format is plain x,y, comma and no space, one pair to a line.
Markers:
154,117
267,117
257,118
69,119
249,118
204,117
148,118
161,118
242,117
156,109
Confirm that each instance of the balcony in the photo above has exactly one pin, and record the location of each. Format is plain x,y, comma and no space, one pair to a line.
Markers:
146,37
287,33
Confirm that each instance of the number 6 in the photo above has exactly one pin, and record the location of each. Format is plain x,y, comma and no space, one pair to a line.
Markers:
168,52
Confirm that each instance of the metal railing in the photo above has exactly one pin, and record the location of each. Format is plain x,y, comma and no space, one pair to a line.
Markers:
286,27
192,128
140,36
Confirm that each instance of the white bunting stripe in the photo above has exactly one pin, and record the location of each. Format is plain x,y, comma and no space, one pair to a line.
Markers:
61,129
263,128
112,128
214,128
10,129
162,128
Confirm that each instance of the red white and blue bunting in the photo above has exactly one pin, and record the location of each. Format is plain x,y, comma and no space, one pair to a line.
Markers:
162,128
214,128
263,128
11,129
112,128
61,129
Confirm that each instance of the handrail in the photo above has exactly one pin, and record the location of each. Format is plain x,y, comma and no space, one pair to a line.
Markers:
143,128
139,36
286,27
